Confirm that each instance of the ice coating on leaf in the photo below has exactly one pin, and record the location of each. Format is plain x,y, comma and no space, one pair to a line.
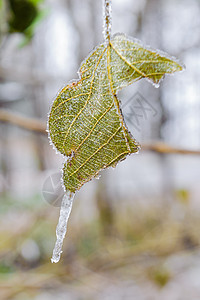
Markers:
61,229
140,61
86,123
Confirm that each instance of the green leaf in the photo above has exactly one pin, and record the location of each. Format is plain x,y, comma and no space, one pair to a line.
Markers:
36,2
86,123
29,32
23,13
24,17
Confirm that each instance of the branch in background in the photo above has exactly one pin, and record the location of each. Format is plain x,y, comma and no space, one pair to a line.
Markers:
40,127
161,147
24,122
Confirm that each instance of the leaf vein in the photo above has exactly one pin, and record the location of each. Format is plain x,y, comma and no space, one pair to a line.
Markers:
110,138
93,76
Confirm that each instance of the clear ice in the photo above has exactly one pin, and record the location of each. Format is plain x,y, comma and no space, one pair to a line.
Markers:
61,228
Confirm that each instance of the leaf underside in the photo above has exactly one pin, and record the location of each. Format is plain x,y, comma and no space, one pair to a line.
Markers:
85,121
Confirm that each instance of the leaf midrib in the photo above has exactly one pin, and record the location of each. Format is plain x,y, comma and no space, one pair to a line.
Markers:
90,93
130,65
115,100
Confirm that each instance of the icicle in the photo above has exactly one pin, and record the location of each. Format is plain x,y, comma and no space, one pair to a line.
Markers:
61,228
107,19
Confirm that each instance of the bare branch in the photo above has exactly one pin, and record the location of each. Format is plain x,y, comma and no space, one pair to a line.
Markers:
40,127
24,122
164,148
107,19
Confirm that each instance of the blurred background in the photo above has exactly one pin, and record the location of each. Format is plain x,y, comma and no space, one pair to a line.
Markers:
135,232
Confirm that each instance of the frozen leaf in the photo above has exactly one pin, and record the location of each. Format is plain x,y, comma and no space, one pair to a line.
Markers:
85,123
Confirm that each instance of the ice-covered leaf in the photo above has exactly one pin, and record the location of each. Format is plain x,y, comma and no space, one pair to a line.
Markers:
86,123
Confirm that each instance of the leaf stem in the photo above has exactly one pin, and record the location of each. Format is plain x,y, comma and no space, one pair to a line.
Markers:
107,19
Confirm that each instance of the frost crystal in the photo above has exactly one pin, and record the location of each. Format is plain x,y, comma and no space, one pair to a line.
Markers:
61,229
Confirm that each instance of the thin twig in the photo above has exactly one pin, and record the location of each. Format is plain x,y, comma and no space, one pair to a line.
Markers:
40,127
161,147
107,19
24,122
